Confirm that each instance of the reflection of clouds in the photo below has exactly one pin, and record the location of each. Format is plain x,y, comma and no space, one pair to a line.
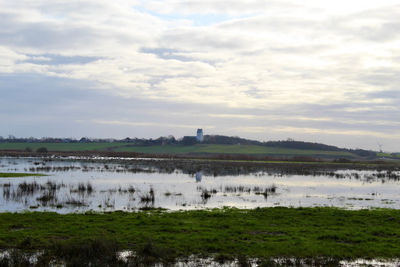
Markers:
292,190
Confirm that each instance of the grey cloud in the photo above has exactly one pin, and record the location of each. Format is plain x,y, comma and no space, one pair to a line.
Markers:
68,34
48,36
47,105
165,53
50,106
386,28
381,77
50,59
254,92
176,54
385,32
388,94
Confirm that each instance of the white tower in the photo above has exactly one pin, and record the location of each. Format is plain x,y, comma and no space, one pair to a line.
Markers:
199,136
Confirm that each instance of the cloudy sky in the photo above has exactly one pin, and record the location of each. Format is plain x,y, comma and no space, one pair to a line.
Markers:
312,70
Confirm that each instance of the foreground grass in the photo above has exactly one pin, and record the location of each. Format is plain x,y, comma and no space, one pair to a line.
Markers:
260,233
16,175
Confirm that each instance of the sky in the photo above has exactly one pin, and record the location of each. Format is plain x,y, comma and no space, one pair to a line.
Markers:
310,70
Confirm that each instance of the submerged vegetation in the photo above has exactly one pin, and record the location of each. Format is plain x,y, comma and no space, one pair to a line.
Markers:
223,234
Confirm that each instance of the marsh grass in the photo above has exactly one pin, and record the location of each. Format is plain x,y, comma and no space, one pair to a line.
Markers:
148,198
48,197
108,201
28,188
205,195
299,235
83,188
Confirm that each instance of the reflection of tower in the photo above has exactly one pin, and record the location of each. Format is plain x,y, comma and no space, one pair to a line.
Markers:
380,147
199,175
199,136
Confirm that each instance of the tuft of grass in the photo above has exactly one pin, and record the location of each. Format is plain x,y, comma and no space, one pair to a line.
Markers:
148,197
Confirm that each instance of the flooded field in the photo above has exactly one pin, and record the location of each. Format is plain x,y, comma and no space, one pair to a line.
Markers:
77,185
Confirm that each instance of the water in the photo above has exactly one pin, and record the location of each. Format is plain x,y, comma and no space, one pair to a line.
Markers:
77,186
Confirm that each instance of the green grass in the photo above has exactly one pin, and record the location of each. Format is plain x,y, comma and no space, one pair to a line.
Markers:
16,175
172,149
387,155
230,149
261,233
181,149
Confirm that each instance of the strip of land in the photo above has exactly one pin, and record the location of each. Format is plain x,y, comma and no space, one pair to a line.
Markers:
224,233
197,149
16,175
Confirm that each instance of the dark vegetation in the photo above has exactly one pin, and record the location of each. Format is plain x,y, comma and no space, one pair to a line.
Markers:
42,150
148,198
316,236
207,193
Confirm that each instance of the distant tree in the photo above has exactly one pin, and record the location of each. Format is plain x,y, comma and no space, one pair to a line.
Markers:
28,149
42,150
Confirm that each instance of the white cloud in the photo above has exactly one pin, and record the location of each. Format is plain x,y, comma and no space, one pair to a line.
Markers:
265,55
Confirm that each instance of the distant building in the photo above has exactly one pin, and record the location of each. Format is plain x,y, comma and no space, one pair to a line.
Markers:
199,136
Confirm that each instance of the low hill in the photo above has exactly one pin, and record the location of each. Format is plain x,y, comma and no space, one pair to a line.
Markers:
255,150
196,149
212,144
288,144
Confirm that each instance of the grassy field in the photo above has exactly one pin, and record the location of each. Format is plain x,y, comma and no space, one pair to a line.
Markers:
173,149
387,155
16,175
229,149
227,233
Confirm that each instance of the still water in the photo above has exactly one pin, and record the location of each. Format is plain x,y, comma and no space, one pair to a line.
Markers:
79,186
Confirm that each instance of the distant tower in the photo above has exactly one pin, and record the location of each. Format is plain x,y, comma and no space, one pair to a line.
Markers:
199,136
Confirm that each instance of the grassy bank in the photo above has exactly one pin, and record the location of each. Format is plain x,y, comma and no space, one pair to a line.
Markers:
230,149
16,175
227,233
177,149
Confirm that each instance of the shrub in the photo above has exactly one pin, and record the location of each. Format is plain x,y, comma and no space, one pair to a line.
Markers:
42,150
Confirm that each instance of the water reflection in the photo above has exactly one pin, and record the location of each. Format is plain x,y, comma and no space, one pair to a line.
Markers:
199,176
105,186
